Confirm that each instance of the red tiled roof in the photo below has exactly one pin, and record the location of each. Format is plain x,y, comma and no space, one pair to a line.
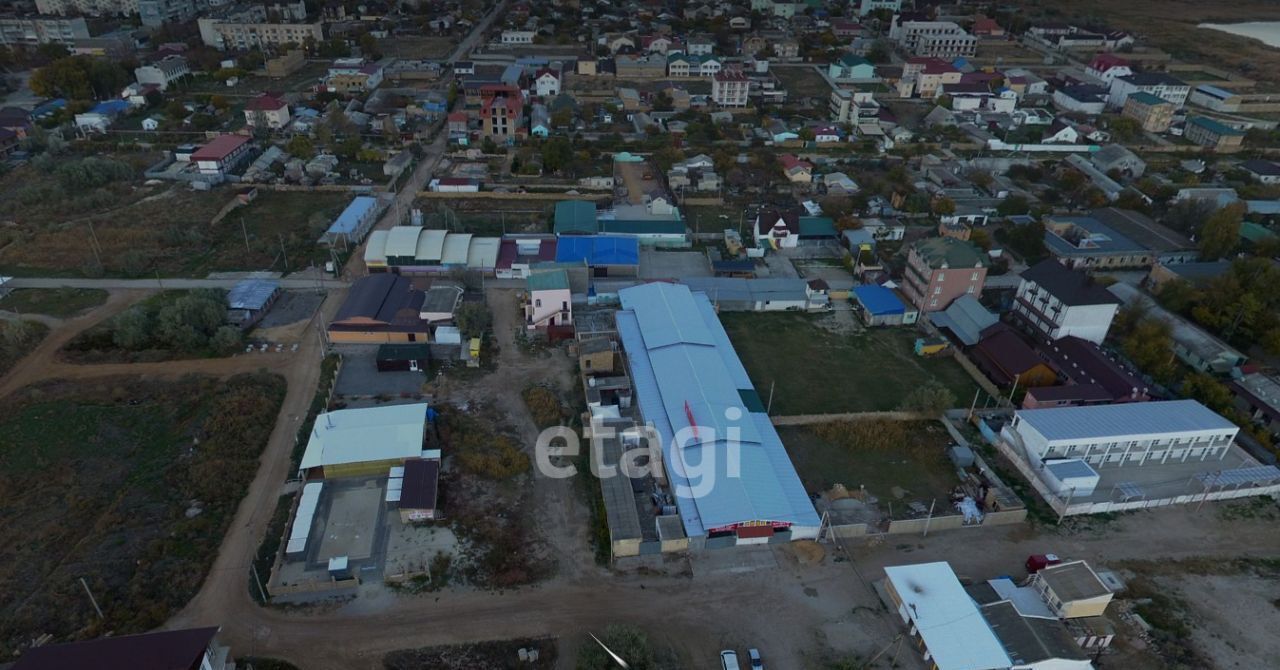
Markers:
221,147
265,103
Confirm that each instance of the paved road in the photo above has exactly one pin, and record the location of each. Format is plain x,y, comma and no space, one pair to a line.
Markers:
163,284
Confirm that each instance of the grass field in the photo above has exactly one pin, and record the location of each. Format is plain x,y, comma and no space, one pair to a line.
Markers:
169,232
126,483
877,455
55,302
1171,25
803,82
16,339
816,371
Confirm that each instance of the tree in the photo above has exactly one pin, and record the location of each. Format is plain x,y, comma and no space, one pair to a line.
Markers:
930,397
219,102
473,319
628,642
981,238
944,206
132,329
1210,392
1013,205
1125,129
1150,347
226,340
1221,232
300,146
562,118
64,77
1177,295
557,154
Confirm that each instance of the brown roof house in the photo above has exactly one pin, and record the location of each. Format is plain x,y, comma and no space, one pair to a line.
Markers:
190,649
380,309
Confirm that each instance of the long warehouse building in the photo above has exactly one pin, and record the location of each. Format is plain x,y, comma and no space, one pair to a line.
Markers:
730,475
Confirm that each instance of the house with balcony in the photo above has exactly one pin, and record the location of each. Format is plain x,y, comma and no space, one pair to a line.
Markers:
941,269
548,300
1056,302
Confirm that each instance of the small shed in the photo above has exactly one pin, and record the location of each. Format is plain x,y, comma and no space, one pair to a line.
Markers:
878,305
249,300
1070,476
403,357
418,493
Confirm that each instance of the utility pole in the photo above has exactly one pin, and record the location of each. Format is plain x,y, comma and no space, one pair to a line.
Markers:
973,404
245,232
929,519
97,248
284,255
258,580
91,598
769,408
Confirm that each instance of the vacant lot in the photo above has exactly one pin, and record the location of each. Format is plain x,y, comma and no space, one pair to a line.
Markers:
803,82
166,326
879,455
495,655
488,217
1171,26
122,228
55,302
126,483
816,371
417,48
16,339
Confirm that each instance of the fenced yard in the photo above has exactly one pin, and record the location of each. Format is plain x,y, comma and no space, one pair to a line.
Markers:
815,369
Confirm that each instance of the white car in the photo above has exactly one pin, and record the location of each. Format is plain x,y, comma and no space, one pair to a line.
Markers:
753,655
729,660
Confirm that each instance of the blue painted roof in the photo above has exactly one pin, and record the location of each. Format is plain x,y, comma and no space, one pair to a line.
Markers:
1136,418
349,220
252,293
689,385
598,250
879,300
110,107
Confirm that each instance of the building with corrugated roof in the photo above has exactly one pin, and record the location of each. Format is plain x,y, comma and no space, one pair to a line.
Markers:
728,472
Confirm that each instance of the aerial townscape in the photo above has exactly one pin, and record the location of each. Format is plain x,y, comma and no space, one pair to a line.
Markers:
639,335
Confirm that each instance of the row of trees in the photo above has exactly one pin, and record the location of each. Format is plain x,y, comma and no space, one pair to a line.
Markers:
81,78
194,322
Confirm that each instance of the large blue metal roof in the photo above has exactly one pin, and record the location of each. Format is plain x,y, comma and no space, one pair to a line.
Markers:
879,300
252,293
1136,418
688,379
599,249
349,220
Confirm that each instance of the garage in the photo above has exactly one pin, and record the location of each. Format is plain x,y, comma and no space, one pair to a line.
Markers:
403,357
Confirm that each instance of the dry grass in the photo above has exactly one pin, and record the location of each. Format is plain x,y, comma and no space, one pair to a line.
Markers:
1171,25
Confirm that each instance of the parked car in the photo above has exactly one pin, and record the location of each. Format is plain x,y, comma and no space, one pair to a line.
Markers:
1037,562
753,655
729,660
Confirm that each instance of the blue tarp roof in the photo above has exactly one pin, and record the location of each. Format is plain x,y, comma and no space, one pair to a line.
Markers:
1137,418
879,300
110,107
252,293
599,250
689,385
349,220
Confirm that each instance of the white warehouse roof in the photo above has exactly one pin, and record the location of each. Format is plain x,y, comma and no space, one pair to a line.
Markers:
402,241
955,632
1136,418
366,434
692,387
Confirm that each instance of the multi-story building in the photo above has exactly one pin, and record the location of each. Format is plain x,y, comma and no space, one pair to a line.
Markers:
929,74
1057,302
502,112
1153,113
353,74
867,6
941,269
852,106
1211,133
247,26
155,13
34,30
943,39
221,155
266,111
162,72
1106,67
729,88
1158,84
87,7
1125,434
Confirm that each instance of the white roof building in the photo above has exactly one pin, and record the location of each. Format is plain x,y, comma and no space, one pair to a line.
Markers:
367,435
955,636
